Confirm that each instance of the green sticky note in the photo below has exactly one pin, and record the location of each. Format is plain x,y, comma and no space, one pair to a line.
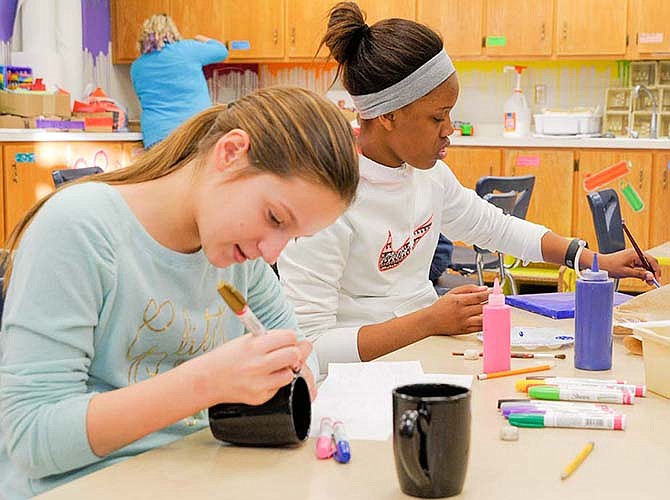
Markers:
496,41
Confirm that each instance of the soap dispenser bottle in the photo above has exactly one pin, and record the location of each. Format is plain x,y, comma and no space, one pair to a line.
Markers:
517,112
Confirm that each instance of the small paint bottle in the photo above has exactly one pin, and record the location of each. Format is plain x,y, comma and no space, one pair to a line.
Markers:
497,331
594,301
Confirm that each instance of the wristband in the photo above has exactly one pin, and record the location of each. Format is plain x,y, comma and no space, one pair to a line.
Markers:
572,250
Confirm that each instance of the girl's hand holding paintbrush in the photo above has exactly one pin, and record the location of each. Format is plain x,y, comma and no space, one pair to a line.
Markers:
239,306
249,369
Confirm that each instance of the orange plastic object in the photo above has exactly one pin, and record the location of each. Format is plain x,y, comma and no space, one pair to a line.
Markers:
607,175
38,84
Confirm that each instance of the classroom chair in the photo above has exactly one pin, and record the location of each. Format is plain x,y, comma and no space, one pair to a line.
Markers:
70,174
606,213
512,195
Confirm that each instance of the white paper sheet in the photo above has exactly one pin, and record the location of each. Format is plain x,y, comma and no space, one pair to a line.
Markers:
359,394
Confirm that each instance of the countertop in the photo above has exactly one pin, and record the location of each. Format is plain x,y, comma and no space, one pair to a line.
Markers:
34,135
486,136
491,136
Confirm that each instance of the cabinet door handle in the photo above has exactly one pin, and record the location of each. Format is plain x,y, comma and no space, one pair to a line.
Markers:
293,36
565,30
641,178
543,32
275,36
15,173
665,179
490,169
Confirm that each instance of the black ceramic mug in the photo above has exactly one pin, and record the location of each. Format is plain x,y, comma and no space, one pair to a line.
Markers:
282,420
431,438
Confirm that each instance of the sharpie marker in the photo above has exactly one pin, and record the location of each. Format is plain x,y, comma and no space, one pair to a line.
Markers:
557,406
342,451
609,422
638,390
539,410
542,403
576,380
324,444
594,394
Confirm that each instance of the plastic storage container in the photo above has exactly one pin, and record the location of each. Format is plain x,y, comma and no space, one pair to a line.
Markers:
567,123
664,73
656,347
643,73
618,99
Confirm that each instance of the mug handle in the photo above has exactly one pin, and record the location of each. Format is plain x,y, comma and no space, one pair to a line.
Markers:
410,445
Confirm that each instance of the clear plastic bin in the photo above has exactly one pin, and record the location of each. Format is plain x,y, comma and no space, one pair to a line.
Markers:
616,123
618,99
643,73
644,103
664,73
642,123
664,125
656,348
665,101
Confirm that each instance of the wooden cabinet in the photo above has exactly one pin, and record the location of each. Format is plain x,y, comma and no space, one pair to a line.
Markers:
551,201
659,210
469,164
578,34
638,178
518,27
198,17
254,29
195,17
306,25
384,9
650,26
127,18
459,22
28,167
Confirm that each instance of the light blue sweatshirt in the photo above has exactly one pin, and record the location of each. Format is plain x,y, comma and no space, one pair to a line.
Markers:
171,86
95,304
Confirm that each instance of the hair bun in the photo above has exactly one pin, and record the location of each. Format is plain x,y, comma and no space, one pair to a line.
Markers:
346,30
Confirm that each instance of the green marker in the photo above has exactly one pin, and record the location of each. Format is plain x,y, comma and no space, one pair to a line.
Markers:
608,421
594,394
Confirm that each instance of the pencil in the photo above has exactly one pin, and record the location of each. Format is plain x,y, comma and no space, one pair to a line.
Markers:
572,467
528,369
643,259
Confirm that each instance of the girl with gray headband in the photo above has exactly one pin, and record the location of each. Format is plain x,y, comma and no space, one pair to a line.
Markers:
360,287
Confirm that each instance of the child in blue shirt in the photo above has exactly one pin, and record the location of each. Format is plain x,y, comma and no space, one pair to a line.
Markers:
114,339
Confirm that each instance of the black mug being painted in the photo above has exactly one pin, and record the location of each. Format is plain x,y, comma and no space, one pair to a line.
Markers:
282,420
431,438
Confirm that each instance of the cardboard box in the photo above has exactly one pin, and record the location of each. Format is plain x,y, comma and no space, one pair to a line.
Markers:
35,104
12,121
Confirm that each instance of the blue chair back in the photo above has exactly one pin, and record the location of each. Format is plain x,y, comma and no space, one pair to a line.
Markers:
606,213
521,186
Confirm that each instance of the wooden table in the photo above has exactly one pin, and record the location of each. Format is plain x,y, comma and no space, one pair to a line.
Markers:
632,464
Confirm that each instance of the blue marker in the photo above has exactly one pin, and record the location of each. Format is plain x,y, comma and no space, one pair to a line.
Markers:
342,450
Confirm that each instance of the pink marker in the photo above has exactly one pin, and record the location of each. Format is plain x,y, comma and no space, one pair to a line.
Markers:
324,444
497,329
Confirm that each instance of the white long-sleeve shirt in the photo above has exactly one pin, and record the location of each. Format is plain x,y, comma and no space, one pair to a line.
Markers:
372,264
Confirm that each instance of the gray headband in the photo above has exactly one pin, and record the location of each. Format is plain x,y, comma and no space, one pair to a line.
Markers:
407,90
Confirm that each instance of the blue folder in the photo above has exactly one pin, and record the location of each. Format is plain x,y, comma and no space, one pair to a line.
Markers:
558,305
